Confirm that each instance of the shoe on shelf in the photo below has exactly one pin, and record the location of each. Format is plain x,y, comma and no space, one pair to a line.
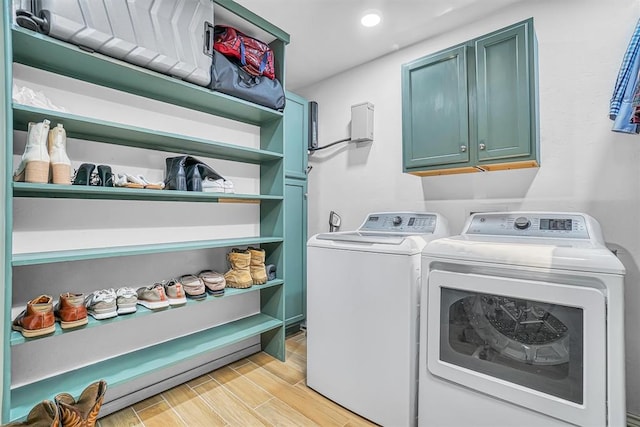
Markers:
176,174
193,286
119,180
133,182
43,414
126,300
84,411
228,186
37,319
84,174
60,163
71,311
105,176
34,165
186,173
139,179
194,179
239,275
257,268
102,304
153,297
210,185
175,293
213,281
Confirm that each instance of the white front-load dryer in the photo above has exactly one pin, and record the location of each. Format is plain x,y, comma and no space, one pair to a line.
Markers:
522,324
362,314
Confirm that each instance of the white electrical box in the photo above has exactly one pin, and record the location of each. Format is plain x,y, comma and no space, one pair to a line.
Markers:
362,122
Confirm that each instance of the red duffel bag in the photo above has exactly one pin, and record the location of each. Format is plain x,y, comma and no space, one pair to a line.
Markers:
254,56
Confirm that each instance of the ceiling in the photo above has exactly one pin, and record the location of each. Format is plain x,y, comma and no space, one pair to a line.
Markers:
327,38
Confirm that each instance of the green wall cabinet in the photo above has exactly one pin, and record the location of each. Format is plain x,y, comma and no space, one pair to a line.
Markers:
296,136
296,131
472,107
295,234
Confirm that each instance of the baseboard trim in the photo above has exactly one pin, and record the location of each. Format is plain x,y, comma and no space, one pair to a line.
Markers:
633,420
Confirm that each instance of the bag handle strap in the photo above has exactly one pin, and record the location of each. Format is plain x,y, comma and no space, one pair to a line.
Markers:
263,63
243,60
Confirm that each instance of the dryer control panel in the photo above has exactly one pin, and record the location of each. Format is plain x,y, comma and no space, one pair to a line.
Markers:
400,222
531,224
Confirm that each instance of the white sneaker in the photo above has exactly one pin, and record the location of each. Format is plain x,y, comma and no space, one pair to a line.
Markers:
101,304
126,300
211,185
228,186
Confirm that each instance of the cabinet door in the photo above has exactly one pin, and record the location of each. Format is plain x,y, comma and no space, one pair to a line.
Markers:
503,82
295,235
296,135
435,123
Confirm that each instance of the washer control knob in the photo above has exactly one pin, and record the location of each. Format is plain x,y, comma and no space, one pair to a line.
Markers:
397,220
522,223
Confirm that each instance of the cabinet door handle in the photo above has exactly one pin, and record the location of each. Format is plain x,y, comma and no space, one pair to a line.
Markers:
482,146
463,148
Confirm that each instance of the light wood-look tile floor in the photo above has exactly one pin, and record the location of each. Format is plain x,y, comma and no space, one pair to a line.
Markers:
255,391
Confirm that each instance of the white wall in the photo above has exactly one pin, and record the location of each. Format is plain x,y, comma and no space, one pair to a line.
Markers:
585,166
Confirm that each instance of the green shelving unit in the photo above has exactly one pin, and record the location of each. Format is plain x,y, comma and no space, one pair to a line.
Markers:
126,369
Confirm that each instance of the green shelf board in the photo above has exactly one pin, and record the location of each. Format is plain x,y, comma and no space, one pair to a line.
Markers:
56,191
46,53
119,370
17,338
34,258
120,134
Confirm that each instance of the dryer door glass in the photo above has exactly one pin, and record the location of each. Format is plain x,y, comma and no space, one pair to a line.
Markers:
534,344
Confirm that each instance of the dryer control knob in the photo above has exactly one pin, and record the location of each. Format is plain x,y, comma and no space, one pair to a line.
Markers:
397,220
522,223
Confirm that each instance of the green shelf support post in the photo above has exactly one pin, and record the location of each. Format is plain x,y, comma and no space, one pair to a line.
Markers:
6,203
272,304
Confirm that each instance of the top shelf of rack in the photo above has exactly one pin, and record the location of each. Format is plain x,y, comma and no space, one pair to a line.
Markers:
43,52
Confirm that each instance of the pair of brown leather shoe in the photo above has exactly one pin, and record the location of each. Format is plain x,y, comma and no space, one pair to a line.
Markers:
39,317
66,411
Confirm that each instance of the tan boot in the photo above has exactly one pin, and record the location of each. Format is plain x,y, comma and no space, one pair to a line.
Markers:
34,166
44,414
258,272
83,412
239,276
60,163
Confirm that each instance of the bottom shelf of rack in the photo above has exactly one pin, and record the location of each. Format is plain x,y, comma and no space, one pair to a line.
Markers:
121,369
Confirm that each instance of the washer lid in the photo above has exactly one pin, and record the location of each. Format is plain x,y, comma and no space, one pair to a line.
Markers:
351,241
363,237
554,240
388,232
576,255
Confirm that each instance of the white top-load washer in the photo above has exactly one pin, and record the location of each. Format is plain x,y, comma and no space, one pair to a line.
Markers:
522,324
362,314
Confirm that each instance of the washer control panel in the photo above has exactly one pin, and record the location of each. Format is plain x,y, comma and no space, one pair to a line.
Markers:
400,222
554,225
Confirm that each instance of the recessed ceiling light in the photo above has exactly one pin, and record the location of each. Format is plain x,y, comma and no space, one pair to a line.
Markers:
371,19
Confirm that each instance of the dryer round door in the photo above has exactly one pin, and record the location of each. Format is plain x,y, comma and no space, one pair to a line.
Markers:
527,342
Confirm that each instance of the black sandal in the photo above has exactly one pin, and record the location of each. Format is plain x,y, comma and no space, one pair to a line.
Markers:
83,174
